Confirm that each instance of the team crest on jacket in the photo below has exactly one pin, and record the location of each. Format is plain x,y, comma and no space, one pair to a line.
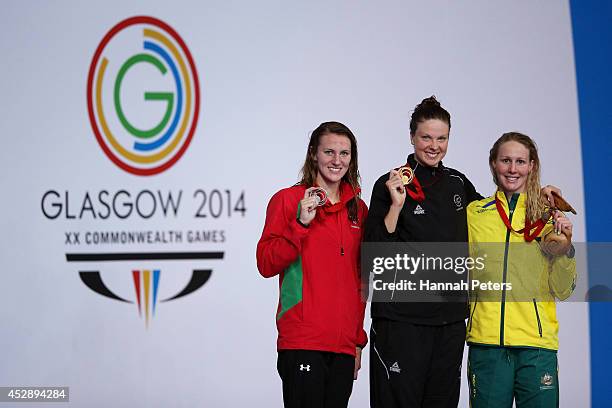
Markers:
457,201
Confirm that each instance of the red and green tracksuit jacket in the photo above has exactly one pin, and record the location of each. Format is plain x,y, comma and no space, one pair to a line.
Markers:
320,304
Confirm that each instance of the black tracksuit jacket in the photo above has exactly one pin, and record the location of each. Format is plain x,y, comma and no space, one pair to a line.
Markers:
441,218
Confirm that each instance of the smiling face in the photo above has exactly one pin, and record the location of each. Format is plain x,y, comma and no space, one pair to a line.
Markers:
333,157
430,141
511,167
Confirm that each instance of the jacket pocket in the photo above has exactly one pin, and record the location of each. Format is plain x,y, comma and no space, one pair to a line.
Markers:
535,307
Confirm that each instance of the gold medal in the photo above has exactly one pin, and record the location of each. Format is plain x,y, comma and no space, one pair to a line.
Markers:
407,174
411,183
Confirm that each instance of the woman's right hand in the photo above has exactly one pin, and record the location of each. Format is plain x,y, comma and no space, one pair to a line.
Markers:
308,207
396,188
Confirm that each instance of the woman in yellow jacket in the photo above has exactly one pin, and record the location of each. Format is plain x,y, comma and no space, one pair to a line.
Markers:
512,329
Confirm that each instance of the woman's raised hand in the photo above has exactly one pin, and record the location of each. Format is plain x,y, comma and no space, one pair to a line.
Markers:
308,207
395,185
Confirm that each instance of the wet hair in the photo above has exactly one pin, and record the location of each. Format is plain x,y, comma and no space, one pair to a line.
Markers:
429,108
309,169
535,206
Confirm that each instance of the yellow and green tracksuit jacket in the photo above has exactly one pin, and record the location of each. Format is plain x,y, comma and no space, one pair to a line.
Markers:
522,312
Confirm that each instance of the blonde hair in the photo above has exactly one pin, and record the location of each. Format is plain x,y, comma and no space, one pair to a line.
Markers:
535,206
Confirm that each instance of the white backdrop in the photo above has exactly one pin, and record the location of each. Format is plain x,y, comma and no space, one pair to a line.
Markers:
269,73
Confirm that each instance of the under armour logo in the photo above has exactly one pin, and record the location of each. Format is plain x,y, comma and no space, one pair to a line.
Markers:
304,367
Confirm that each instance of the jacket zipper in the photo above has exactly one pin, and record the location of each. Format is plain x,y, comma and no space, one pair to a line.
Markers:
473,311
535,306
341,236
341,305
503,300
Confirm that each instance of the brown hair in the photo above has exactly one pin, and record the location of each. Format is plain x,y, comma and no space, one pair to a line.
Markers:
429,108
535,206
309,169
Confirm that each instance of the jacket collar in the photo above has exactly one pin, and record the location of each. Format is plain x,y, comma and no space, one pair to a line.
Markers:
422,169
346,194
521,201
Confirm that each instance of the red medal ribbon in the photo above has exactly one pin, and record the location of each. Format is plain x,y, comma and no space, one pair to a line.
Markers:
415,190
529,236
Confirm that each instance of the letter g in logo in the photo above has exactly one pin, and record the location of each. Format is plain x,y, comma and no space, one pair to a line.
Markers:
138,137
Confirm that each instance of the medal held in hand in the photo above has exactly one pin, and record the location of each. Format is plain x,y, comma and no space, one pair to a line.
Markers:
320,196
411,183
407,174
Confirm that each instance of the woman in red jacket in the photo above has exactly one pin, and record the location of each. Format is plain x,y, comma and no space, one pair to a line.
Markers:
311,239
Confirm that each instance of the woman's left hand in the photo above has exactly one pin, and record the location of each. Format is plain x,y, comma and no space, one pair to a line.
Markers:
357,362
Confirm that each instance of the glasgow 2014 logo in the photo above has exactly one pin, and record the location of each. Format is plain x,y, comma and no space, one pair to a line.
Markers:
143,137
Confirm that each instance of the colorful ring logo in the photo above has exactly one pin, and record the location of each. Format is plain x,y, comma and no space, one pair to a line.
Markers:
124,132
